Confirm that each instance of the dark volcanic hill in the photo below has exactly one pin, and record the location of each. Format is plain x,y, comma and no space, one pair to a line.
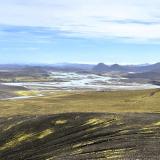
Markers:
101,67
80,136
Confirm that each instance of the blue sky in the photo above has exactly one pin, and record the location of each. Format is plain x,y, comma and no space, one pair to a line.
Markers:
80,31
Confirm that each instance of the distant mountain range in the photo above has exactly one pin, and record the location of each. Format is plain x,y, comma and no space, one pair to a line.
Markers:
102,68
134,73
99,68
73,67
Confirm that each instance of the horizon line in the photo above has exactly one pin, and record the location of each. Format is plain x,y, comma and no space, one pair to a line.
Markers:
77,63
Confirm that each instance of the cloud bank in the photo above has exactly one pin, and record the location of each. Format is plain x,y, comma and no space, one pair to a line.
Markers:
123,19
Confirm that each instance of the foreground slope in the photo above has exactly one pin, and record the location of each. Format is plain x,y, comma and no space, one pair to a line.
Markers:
71,126
80,136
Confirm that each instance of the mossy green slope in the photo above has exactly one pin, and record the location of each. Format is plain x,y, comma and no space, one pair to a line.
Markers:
66,102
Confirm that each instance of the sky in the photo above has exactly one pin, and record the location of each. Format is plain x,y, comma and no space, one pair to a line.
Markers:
79,31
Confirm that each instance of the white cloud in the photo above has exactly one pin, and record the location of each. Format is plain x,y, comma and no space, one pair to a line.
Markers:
132,19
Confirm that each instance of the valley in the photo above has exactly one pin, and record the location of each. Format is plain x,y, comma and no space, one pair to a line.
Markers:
77,115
